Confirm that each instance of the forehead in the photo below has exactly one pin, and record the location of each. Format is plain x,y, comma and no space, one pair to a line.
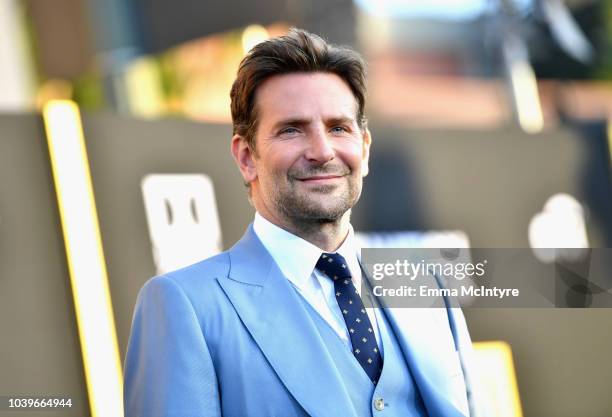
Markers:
304,95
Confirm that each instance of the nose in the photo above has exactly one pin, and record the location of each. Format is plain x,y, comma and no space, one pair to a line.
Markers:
320,149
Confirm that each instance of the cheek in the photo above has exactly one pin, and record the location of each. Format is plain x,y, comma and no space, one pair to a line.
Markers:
353,156
274,168
282,159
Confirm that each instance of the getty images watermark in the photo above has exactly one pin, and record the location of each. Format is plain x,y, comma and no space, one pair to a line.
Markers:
575,278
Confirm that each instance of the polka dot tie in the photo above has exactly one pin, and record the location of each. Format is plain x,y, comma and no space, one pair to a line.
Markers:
355,316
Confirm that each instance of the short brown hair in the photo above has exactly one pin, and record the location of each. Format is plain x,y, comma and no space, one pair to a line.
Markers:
298,51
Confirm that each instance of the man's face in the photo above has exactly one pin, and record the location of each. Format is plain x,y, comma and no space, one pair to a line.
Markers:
310,154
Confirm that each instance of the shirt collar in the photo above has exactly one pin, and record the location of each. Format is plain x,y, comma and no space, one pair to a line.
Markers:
297,257
348,250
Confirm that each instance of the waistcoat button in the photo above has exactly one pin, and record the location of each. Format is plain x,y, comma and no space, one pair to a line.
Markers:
379,404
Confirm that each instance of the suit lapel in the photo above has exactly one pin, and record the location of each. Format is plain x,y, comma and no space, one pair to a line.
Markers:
428,347
282,328
432,359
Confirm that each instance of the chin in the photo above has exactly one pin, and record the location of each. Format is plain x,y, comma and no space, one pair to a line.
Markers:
326,214
309,207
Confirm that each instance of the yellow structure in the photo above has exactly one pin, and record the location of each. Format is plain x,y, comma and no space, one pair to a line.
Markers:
85,258
497,379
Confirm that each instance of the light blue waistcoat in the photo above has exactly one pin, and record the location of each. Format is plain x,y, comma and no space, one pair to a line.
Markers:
396,387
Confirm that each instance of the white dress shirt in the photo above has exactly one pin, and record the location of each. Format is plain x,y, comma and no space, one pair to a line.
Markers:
297,259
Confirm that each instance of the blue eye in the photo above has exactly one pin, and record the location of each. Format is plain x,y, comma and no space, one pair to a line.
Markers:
339,129
289,130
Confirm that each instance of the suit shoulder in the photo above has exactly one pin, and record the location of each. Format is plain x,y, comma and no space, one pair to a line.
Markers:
196,276
215,265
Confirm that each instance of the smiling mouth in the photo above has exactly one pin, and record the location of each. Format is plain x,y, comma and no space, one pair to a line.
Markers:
319,179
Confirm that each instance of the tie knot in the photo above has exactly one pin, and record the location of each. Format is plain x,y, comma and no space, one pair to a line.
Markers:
334,266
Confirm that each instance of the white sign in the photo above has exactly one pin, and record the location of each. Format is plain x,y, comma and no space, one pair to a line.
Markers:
183,220
561,224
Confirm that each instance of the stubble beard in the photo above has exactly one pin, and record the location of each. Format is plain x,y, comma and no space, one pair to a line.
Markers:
306,213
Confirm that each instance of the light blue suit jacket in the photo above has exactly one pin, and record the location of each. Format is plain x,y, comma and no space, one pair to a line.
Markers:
229,337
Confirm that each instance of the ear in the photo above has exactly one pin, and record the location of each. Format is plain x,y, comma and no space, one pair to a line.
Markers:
244,157
365,152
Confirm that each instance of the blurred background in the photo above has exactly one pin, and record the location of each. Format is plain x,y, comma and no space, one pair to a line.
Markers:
491,128
443,63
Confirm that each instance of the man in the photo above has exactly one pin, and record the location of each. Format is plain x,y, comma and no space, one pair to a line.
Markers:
276,326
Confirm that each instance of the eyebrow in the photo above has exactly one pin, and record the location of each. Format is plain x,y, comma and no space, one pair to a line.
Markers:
293,121
340,120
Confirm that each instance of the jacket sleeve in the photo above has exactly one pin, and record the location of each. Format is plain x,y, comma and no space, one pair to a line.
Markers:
168,367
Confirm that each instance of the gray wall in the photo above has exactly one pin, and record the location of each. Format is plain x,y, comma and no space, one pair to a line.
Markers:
39,345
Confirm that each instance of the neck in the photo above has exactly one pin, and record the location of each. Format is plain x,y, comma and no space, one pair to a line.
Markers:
327,235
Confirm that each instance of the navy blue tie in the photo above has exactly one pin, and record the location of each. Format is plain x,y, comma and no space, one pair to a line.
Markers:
355,316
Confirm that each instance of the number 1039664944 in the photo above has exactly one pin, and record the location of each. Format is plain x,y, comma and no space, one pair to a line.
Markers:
21,402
